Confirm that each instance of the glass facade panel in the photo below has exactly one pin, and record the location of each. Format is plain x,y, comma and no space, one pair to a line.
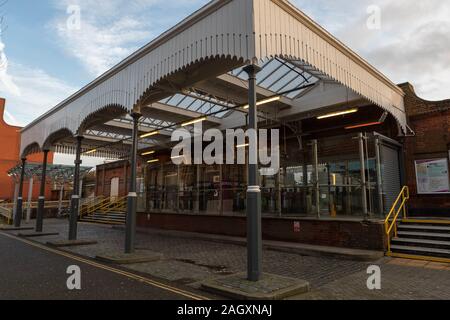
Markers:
221,189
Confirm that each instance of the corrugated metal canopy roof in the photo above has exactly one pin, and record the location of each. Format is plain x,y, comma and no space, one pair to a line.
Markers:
195,69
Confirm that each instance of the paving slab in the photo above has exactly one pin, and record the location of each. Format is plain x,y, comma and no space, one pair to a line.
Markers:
16,229
280,246
71,243
37,234
270,287
129,258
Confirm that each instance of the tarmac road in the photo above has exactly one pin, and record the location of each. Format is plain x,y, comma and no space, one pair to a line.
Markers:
30,271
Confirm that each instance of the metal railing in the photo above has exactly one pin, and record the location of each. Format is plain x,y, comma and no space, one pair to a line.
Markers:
92,205
399,206
7,208
103,205
6,212
115,205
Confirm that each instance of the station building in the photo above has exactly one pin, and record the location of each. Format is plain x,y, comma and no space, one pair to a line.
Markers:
351,140
212,199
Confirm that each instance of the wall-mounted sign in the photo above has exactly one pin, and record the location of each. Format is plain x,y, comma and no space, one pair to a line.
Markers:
432,176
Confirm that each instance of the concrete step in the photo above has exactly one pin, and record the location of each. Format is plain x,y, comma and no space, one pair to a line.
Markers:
424,227
421,243
427,221
103,217
424,235
114,218
103,221
117,215
430,252
419,257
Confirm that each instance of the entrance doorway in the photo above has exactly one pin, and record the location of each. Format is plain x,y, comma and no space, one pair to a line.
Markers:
114,194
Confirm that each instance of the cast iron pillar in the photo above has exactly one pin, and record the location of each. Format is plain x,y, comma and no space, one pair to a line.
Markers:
132,195
41,203
18,215
254,234
75,201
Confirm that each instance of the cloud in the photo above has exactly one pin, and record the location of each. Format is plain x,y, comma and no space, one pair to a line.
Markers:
39,92
5,77
112,30
412,44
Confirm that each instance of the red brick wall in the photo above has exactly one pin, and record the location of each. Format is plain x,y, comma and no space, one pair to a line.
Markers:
334,233
431,123
9,158
105,173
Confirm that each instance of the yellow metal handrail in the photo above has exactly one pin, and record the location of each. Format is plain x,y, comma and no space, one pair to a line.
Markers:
92,206
102,204
390,223
114,205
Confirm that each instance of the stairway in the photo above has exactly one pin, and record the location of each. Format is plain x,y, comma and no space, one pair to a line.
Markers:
111,218
422,239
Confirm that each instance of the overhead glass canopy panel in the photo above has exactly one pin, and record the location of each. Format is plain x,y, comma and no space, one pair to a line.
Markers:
200,103
282,77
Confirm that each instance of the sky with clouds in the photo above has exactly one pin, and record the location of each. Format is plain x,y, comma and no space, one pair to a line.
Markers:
42,60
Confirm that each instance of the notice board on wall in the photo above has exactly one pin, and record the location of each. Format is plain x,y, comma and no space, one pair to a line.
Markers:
432,176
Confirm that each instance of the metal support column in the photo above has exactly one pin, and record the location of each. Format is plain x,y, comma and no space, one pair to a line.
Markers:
125,177
61,196
132,195
30,198
41,203
316,175
16,195
278,191
363,176
18,215
221,190
379,177
197,186
80,203
178,208
75,203
254,233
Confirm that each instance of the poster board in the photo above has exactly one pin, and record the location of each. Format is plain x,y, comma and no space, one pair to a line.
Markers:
432,176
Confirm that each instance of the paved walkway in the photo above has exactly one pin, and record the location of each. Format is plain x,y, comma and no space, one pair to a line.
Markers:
188,261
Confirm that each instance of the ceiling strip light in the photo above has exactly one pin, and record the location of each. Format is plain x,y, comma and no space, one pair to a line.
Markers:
91,151
153,161
193,122
150,134
147,153
364,125
336,114
265,101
